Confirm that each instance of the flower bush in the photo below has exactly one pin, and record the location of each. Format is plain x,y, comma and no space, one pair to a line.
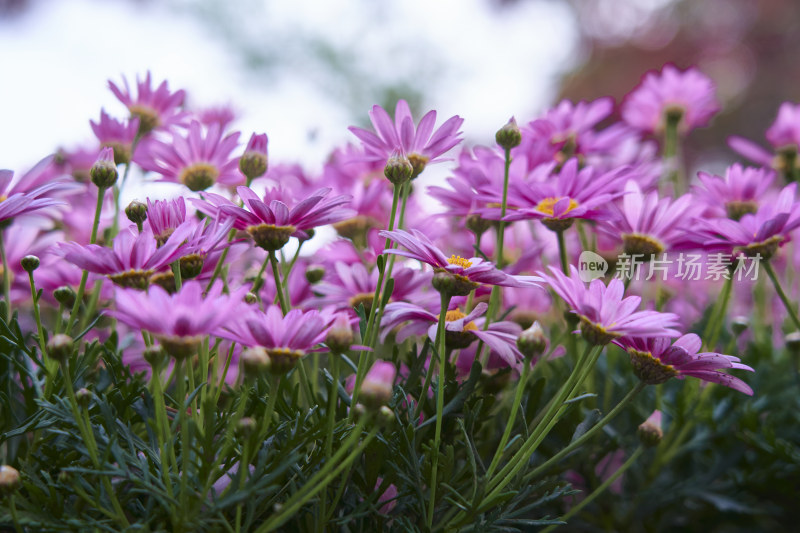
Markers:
213,362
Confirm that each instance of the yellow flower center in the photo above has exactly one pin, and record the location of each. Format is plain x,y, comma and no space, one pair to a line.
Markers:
3,197
457,314
460,261
546,205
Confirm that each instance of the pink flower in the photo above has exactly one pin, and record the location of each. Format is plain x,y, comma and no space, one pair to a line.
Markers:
419,143
603,312
376,389
20,198
655,360
182,320
117,135
688,95
155,108
198,160
739,192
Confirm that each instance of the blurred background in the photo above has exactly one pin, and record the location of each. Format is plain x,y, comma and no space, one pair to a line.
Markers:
303,71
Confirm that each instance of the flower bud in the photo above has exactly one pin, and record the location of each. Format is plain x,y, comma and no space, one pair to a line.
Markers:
650,432
9,479
385,417
30,263
253,162
245,426
191,265
376,389
739,325
250,298
83,396
792,341
340,336
104,171
314,273
477,224
398,169
255,361
65,295
136,212
532,342
59,347
155,355
450,285
509,136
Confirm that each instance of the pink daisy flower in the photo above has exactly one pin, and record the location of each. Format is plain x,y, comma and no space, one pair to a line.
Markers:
198,159
783,135
649,225
738,193
133,258
761,232
686,96
20,199
603,312
164,216
182,320
117,135
420,144
285,338
460,330
463,275
656,360
157,108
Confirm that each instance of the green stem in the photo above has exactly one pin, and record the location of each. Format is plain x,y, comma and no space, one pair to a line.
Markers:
717,318
220,261
440,341
599,490
266,417
176,272
670,152
511,418
273,259
185,437
577,443
49,364
14,518
333,395
162,427
782,294
6,279
562,252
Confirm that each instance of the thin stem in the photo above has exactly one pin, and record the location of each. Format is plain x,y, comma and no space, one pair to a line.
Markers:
599,490
440,341
782,294
670,151
49,364
162,427
273,259
6,280
717,318
562,252
577,443
333,395
176,272
220,261
185,437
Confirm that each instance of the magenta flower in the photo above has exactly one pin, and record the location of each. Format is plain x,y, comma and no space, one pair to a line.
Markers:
155,108
761,232
117,135
164,216
738,193
603,312
419,143
285,338
783,135
198,160
688,96
18,199
376,389
460,330
464,274
558,200
649,225
253,162
270,221
656,361
222,115
132,260
182,320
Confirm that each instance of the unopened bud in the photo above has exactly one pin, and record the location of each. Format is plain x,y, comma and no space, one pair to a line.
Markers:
104,171
739,325
9,479
83,396
59,347
65,295
250,298
255,361
509,136
191,265
477,224
245,426
376,389
385,417
450,285
398,169
314,273
793,342
155,355
650,432
532,342
253,162
30,263
340,336
136,212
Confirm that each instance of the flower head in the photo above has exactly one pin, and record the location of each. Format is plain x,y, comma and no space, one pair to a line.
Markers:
419,143
116,134
685,96
157,108
603,312
20,199
462,275
738,193
198,159
656,360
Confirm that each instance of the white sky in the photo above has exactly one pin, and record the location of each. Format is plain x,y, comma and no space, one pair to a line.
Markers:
55,60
